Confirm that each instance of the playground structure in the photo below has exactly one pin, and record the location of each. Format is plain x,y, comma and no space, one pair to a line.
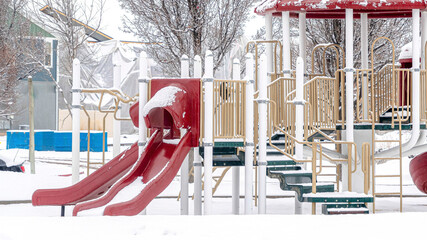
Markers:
285,123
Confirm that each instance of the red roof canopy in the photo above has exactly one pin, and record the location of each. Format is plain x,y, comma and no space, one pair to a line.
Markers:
336,8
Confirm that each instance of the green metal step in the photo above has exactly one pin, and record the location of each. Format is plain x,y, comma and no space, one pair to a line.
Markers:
280,136
284,168
344,208
299,181
284,172
347,197
226,161
306,188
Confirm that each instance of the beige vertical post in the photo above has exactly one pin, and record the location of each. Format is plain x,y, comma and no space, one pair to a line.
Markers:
31,123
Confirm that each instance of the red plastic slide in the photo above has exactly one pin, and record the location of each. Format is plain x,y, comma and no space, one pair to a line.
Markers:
92,186
158,166
418,170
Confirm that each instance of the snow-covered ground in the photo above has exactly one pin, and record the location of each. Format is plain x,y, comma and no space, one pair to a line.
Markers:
23,221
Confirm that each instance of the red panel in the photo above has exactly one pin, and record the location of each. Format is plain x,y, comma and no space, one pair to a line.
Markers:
418,170
188,103
133,112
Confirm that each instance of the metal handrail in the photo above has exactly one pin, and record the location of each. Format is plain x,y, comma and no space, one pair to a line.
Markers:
326,107
365,166
313,145
118,97
325,47
276,43
229,108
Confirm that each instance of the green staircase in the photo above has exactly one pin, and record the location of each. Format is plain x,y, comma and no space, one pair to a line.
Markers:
297,180
292,177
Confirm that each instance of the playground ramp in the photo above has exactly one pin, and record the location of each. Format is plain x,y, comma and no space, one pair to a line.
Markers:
153,172
156,169
92,186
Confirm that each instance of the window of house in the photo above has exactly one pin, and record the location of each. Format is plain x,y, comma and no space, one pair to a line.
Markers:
48,54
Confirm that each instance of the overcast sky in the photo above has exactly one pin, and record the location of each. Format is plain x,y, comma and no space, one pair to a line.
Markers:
112,22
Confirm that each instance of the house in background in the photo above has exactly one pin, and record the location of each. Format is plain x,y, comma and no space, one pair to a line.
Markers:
44,88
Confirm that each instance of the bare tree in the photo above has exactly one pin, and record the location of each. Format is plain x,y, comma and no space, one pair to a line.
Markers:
186,27
64,19
19,47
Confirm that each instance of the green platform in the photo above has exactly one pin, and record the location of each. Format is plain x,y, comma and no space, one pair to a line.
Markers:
380,126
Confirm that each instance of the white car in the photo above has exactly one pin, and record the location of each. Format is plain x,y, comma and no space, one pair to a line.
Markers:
10,162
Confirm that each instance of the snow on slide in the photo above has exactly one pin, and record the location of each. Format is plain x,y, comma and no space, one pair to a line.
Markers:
92,186
153,172
126,194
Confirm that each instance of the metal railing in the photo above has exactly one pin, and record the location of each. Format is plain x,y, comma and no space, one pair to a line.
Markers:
284,116
383,91
364,79
317,149
388,90
322,94
118,97
229,108
337,48
229,97
277,62
277,90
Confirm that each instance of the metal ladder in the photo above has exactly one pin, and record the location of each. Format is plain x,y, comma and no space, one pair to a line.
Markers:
376,159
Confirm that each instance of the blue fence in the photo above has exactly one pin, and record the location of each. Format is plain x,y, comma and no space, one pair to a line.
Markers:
60,141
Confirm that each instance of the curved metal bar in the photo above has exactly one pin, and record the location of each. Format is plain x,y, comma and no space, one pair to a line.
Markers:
103,137
337,49
312,56
118,97
276,43
88,140
393,78
325,47
366,150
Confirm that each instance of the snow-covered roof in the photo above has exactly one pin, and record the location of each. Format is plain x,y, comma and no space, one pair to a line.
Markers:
336,8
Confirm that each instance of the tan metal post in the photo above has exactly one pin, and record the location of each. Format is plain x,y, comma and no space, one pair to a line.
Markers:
31,123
